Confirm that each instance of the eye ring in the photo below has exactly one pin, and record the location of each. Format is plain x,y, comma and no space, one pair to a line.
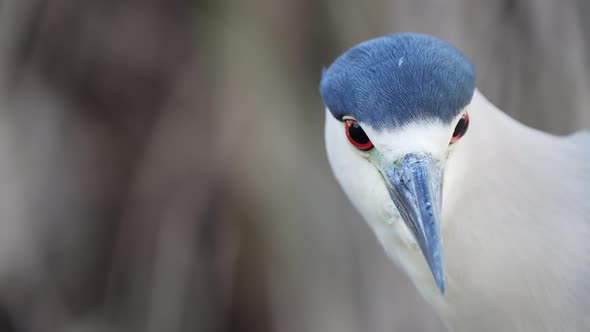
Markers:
357,136
460,128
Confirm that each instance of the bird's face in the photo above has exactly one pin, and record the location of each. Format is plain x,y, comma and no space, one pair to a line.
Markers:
395,110
394,177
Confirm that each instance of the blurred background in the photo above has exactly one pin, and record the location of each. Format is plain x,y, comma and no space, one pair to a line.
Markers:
162,164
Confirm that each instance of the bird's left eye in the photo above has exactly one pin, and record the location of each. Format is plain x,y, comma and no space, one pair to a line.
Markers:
461,128
357,136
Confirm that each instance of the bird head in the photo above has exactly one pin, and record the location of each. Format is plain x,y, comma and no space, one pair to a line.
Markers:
395,110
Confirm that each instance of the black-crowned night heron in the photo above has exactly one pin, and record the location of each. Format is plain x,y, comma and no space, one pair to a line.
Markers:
426,159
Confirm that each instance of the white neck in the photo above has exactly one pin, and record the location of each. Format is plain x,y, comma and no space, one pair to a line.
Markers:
507,269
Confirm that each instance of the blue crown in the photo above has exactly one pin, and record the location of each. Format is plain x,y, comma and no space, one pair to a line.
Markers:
393,80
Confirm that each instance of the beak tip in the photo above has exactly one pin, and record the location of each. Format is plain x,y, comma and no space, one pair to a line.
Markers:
438,272
440,282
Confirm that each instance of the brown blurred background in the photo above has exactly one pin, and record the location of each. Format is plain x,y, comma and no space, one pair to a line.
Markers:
162,163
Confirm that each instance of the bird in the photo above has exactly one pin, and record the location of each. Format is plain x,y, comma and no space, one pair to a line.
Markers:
488,217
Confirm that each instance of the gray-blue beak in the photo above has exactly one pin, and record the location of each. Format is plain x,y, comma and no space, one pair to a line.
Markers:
415,186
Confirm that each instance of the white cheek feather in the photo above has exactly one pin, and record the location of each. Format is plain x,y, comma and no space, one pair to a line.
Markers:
356,175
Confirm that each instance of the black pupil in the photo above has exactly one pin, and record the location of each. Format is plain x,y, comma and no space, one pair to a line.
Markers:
460,128
358,134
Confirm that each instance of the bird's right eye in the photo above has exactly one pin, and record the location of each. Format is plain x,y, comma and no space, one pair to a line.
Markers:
357,136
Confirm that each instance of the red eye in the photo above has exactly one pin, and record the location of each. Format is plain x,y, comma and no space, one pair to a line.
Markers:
357,136
461,128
